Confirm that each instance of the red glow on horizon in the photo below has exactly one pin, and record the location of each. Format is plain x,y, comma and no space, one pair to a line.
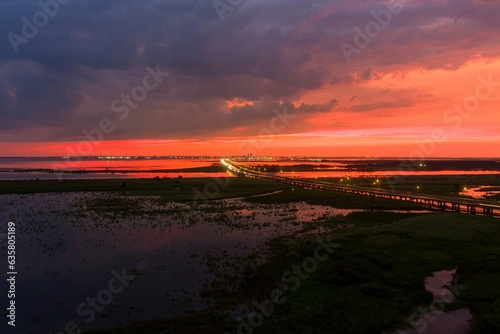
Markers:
394,116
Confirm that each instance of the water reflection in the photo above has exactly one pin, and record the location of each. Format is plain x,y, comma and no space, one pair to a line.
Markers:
102,164
10,175
480,191
33,168
69,244
92,176
353,174
433,320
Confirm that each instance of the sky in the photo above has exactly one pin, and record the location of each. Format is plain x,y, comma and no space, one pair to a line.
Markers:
399,78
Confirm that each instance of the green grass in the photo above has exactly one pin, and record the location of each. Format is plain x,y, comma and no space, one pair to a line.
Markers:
448,185
338,200
371,283
376,277
179,190
439,185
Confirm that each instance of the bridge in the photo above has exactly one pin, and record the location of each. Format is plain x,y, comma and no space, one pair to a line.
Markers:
433,202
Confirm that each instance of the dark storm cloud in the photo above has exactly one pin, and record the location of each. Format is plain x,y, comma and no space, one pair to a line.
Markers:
66,77
264,110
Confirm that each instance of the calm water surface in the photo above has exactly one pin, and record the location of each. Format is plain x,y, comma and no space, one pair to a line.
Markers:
69,244
141,168
434,321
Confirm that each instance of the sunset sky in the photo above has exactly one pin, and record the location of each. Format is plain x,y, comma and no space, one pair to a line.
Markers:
287,77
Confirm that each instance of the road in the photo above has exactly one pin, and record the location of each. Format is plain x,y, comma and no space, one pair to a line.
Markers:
435,202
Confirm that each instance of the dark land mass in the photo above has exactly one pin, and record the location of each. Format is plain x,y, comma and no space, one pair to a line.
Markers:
370,282
386,165
303,166
449,185
214,168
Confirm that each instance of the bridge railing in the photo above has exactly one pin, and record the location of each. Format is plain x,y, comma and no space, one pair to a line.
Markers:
431,201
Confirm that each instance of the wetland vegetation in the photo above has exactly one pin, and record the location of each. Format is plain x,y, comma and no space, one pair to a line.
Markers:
237,247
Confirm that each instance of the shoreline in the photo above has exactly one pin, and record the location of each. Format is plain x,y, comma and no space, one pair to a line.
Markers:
366,273
433,184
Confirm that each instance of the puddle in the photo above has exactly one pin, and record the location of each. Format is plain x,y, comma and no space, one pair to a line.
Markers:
431,319
438,281
480,192
69,243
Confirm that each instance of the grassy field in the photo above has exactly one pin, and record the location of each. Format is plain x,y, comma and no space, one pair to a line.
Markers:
371,282
338,200
179,190
448,185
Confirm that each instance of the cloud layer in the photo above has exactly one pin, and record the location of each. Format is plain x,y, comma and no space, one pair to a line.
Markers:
229,74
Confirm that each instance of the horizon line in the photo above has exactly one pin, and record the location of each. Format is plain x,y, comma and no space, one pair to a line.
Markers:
106,157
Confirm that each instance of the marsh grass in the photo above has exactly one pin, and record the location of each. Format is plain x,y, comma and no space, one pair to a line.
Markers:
370,284
178,190
338,200
446,185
